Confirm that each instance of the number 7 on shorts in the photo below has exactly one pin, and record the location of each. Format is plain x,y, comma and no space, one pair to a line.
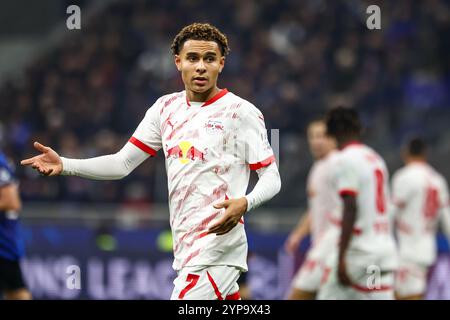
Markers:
192,279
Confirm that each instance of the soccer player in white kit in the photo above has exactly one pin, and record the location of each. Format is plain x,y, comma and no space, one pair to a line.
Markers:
322,201
211,139
363,265
421,201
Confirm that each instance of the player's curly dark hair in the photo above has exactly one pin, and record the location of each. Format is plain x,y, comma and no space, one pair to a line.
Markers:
200,31
343,122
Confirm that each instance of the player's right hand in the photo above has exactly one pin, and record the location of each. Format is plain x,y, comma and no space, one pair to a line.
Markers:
48,163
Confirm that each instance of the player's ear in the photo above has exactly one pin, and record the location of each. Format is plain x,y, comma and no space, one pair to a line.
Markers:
177,60
221,63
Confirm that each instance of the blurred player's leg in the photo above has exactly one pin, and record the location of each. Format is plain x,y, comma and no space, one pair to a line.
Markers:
244,288
298,294
19,294
12,285
207,283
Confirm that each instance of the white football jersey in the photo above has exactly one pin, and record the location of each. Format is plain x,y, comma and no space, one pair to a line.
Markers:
210,149
419,194
361,172
323,200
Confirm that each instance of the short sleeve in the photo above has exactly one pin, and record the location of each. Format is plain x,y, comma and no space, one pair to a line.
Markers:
257,150
346,178
147,136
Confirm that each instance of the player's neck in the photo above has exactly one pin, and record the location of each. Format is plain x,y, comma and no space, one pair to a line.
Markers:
345,142
416,160
202,96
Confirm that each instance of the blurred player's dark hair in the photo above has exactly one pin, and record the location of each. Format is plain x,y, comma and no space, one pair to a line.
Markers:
317,119
416,147
314,121
200,31
343,123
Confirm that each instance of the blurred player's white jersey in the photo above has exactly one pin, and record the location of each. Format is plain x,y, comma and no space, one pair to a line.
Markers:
323,202
419,194
210,149
361,172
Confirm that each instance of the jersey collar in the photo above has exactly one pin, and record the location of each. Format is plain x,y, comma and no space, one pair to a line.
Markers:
219,95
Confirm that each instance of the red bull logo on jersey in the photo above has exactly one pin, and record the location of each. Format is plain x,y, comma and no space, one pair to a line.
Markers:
185,152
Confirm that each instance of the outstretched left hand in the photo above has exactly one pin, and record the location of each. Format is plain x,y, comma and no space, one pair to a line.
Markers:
234,210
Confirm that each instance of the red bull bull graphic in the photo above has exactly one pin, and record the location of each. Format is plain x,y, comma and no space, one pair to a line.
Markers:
185,152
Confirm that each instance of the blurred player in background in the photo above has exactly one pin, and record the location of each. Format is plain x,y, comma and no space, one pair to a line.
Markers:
421,200
211,139
363,266
322,200
12,285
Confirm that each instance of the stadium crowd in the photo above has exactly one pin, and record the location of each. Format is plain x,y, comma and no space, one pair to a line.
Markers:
292,59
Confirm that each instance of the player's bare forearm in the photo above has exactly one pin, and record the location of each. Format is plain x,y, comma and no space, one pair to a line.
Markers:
234,210
304,225
348,222
301,231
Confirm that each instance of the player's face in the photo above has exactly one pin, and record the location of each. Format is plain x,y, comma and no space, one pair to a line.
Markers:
319,142
200,63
